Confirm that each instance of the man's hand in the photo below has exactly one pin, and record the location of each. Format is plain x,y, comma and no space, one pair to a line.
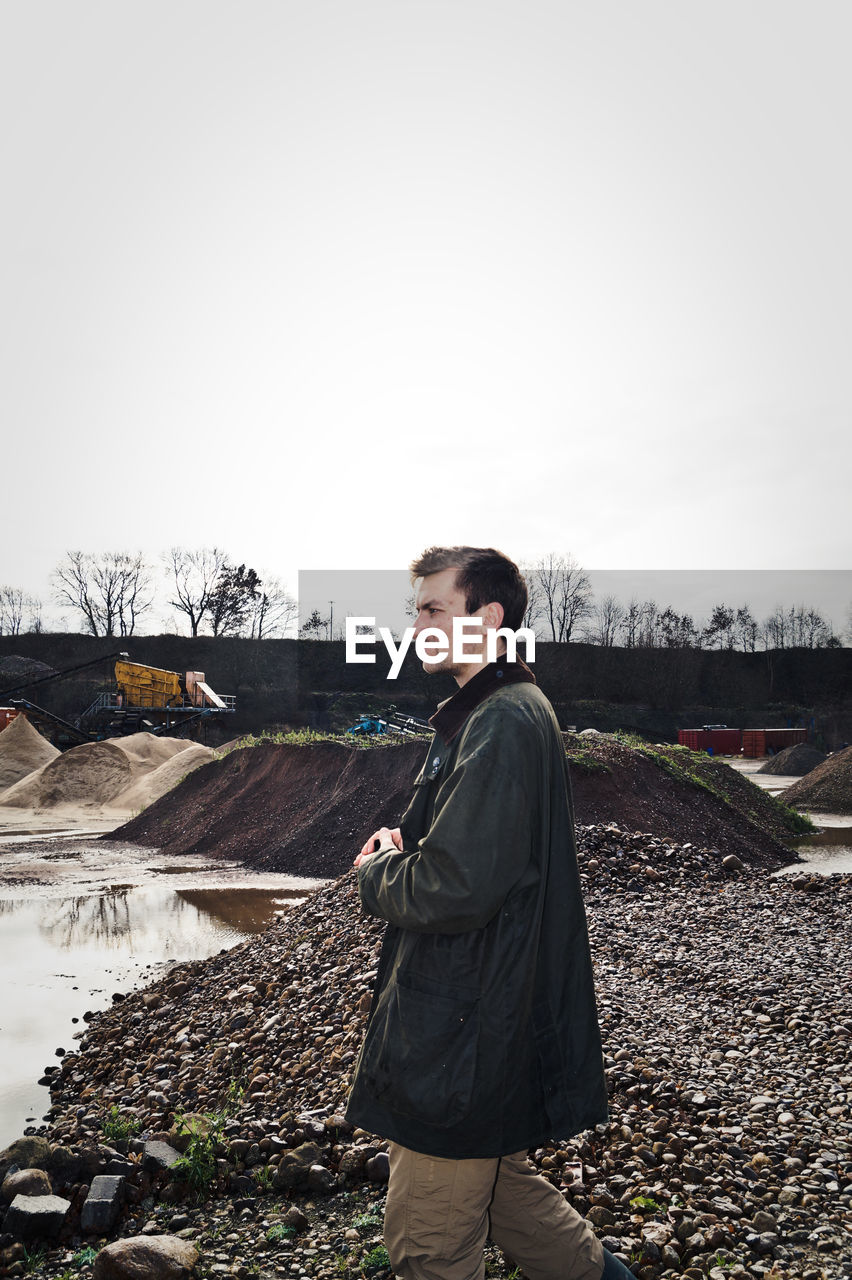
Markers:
387,839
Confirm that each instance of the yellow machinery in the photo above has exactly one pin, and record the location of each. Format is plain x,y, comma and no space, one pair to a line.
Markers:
140,686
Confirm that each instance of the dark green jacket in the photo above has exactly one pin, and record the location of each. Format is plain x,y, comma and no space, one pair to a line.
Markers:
483,1037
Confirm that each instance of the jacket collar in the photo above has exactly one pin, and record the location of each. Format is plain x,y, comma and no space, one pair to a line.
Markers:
452,713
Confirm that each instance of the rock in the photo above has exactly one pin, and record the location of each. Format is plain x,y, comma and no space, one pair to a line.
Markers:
25,1182
294,1166
146,1257
157,1156
102,1205
377,1168
320,1179
25,1153
732,863
36,1217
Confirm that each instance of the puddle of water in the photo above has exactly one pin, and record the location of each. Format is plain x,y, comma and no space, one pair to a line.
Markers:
81,919
827,851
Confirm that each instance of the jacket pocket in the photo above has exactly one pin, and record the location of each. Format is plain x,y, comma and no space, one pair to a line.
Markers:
420,1053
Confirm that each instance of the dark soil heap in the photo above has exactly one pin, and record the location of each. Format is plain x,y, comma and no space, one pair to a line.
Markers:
306,810
827,788
794,761
303,810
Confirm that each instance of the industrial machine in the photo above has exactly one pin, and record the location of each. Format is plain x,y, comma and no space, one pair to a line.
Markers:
142,698
368,725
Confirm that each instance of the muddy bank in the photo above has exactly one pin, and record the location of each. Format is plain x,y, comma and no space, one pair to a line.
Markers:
307,809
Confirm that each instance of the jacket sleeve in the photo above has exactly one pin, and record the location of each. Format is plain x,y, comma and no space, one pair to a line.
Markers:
477,848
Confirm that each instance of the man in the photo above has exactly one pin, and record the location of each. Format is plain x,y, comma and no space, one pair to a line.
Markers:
483,1039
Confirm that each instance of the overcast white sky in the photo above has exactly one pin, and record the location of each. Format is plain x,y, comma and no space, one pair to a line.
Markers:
325,283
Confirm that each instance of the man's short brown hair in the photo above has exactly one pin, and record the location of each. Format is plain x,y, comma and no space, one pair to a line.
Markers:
483,575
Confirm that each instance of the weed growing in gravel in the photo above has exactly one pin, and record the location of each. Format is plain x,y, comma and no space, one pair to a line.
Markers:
280,1231
263,1177
376,1260
369,1221
197,1165
84,1257
116,1127
646,1204
34,1257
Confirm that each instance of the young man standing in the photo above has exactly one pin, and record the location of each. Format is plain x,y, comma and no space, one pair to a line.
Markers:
483,1039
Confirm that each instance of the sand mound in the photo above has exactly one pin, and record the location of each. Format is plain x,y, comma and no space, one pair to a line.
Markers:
149,751
97,774
22,750
160,780
827,788
88,776
794,761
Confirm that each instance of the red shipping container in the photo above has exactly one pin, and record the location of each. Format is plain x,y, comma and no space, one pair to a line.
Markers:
725,742
754,743
7,715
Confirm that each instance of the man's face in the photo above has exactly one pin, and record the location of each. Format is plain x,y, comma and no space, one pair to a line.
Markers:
437,601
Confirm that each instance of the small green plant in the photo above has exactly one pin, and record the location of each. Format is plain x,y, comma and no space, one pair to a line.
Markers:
197,1165
280,1231
115,1127
646,1204
367,1221
84,1257
725,1263
34,1257
263,1176
376,1260
234,1097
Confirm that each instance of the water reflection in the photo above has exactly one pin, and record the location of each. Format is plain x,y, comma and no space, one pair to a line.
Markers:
69,953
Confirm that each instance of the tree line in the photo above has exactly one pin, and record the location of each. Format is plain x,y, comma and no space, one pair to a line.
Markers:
113,591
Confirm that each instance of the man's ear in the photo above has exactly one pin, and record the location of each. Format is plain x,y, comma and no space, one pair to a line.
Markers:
492,615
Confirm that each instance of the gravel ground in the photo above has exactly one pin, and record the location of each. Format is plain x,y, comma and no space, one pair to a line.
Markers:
727,1023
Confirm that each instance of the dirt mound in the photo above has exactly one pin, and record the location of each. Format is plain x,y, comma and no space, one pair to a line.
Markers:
676,793
15,669
827,788
794,761
148,751
154,785
305,810
87,776
22,749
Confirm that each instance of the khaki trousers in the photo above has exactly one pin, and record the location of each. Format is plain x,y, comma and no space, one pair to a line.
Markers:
439,1213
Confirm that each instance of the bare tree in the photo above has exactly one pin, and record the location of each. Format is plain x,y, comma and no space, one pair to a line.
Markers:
631,622
746,629
607,619
14,604
195,575
565,594
273,612
532,613
649,625
678,630
110,589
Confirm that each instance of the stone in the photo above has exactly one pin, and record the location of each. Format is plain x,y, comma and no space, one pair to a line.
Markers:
294,1166
377,1168
25,1153
320,1179
36,1217
162,1257
158,1156
25,1182
102,1205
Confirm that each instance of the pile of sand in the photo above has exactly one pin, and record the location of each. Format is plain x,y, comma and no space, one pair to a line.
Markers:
22,750
794,761
827,788
152,786
122,773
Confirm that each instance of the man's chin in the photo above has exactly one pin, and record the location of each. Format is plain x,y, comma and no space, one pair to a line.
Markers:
442,666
